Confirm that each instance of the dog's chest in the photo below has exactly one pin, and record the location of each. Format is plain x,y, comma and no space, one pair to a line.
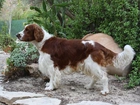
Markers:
45,62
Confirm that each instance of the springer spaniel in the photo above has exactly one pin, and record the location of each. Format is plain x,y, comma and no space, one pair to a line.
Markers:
59,55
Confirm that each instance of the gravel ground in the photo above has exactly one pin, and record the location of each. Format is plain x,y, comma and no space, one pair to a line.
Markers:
72,88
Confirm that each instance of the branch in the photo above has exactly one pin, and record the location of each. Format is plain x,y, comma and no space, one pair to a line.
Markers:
69,14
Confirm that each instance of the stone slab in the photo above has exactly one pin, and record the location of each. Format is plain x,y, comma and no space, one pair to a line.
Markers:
38,101
130,103
11,95
91,103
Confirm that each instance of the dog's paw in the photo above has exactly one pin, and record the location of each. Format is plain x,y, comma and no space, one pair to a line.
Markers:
47,84
104,92
50,88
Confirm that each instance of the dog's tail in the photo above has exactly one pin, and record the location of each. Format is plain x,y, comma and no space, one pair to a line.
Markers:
124,58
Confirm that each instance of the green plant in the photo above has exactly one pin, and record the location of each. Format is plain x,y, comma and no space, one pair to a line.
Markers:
134,76
21,11
17,64
22,55
6,40
49,17
120,78
1,3
120,19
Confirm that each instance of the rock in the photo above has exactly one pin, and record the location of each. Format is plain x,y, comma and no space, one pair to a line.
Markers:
26,98
3,58
10,97
2,52
38,101
91,103
34,71
84,92
72,88
130,103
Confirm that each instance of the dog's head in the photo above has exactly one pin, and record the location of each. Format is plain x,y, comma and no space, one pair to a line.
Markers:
31,32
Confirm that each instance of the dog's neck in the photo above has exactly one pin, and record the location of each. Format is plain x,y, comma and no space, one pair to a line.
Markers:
41,43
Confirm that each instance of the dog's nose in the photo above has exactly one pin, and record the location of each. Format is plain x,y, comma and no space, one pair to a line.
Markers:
18,35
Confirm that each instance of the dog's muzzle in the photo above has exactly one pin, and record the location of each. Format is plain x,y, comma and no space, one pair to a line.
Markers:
18,36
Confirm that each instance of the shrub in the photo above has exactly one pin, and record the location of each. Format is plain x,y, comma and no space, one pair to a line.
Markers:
134,76
5,39
47,16
22,55
17,64
57,18
120,19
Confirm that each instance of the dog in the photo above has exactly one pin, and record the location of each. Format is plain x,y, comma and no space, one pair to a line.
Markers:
62,56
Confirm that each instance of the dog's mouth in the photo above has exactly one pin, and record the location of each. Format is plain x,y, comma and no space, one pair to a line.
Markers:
18,36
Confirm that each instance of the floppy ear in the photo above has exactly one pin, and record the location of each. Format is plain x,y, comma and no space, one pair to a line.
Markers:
38,33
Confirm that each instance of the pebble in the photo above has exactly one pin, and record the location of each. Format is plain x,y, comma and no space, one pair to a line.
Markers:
72,88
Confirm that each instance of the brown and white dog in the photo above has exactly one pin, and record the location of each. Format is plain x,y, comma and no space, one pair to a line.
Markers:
59,55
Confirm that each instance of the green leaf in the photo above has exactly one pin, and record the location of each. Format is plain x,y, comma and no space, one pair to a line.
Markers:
37,21
44,6
36,9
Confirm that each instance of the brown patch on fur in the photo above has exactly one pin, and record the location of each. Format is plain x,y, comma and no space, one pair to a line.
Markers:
65,52
102,55
33,32
38,33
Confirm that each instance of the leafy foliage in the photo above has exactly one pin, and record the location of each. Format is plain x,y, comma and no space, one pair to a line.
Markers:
21,11
47,16
22,55
6,39
120,19
1,3
135,73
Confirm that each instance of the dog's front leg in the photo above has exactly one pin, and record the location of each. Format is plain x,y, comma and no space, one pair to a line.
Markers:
55,78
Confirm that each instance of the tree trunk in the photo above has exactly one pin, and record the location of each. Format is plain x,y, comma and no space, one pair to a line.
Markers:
9,24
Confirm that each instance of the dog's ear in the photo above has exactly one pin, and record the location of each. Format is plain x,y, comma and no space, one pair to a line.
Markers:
38,33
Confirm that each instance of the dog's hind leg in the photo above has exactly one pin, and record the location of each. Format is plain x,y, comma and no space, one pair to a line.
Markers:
91,84
99,74
104,81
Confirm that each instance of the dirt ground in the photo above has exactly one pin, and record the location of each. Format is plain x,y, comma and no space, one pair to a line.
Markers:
72,89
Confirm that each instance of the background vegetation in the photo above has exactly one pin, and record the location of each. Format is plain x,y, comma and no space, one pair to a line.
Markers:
1,2
76,18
